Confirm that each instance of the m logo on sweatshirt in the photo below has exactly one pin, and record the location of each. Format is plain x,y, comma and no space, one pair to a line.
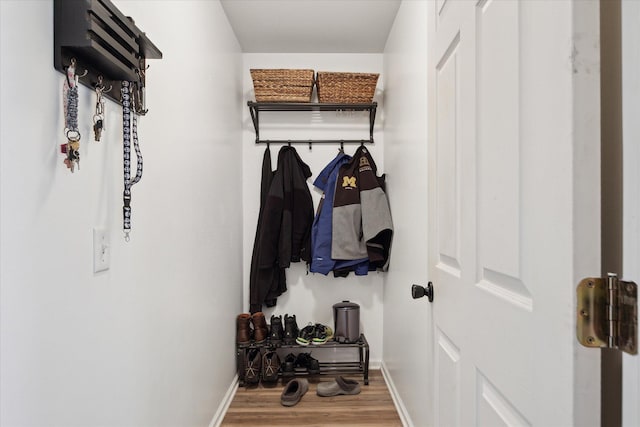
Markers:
349,182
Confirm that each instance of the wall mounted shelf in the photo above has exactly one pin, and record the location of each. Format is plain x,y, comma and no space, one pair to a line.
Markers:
102,41
256,107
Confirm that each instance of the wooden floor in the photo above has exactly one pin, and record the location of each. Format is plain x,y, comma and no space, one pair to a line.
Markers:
260,406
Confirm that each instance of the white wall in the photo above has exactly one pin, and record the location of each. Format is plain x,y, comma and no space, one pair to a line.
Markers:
147,342
311,296
408,353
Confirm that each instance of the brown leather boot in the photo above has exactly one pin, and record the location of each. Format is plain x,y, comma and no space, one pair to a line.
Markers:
260,330
243,328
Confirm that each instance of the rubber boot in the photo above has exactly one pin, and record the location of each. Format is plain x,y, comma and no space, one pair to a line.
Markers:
276,333
290,329
243,329
260,330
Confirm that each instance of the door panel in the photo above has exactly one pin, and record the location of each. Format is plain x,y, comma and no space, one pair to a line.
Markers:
498,124
494,409
447,365
448,175
503,193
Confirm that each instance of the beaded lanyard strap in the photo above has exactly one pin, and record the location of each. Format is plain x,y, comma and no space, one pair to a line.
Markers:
70,105
129,133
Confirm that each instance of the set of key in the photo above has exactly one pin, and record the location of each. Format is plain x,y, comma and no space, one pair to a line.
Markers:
98,116
72,147
72,150
97,127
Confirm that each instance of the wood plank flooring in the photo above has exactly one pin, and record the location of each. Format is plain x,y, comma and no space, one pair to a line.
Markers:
259,406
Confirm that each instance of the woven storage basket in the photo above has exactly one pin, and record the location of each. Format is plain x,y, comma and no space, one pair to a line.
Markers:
282,85
348,88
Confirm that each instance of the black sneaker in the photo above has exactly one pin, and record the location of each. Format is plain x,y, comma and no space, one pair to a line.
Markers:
321,334
252,366
276,334
306,334
304,360
270,366
290,329
289,365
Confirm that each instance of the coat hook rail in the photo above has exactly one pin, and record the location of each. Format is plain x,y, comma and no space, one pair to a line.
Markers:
310,142
256,107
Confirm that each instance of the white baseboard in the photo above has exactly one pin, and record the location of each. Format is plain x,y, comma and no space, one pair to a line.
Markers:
397,400
224,405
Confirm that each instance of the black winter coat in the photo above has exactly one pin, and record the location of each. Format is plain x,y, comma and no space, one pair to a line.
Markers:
284,227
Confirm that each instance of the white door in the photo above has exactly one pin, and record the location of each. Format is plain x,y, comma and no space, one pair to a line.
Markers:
514,209
631,190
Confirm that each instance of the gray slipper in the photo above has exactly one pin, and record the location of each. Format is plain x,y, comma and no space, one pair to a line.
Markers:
293,391
341,385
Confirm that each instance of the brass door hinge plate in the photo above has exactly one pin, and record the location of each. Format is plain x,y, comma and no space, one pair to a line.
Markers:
607,313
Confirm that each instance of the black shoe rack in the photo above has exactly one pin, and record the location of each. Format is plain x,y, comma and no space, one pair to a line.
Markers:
359,366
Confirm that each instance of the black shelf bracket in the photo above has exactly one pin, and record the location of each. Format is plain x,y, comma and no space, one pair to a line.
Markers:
256,107
105,45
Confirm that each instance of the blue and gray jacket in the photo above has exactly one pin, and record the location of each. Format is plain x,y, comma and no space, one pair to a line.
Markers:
321,231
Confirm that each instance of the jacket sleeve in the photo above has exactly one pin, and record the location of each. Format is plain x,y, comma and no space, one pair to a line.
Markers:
377,227
272,221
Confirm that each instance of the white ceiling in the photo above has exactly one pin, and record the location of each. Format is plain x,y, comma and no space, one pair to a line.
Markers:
311,26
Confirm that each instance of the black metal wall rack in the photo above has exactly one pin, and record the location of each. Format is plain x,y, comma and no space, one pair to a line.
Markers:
256,107
103,42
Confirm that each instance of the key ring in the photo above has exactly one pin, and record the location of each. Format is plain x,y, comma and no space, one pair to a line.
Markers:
73,135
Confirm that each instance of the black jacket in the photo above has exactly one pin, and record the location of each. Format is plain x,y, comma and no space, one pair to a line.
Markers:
284,227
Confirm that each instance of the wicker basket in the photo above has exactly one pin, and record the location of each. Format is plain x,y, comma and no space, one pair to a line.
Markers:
348,88
282,85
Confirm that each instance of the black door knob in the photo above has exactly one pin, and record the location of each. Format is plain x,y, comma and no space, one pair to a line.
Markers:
418,291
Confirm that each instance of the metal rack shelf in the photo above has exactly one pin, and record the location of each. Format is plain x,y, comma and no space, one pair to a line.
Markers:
359,366
256,107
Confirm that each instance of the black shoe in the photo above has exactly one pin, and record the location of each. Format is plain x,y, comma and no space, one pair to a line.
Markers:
304,360
270,366
322,334
306,334
252,366
275,336
289,365
290,329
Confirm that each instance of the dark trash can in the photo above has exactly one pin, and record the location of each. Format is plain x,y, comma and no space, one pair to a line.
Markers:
346,321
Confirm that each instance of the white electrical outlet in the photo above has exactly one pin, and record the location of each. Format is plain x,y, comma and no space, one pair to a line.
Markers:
101,250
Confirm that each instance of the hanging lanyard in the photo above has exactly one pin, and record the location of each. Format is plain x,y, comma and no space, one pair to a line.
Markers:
70,104
129,133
